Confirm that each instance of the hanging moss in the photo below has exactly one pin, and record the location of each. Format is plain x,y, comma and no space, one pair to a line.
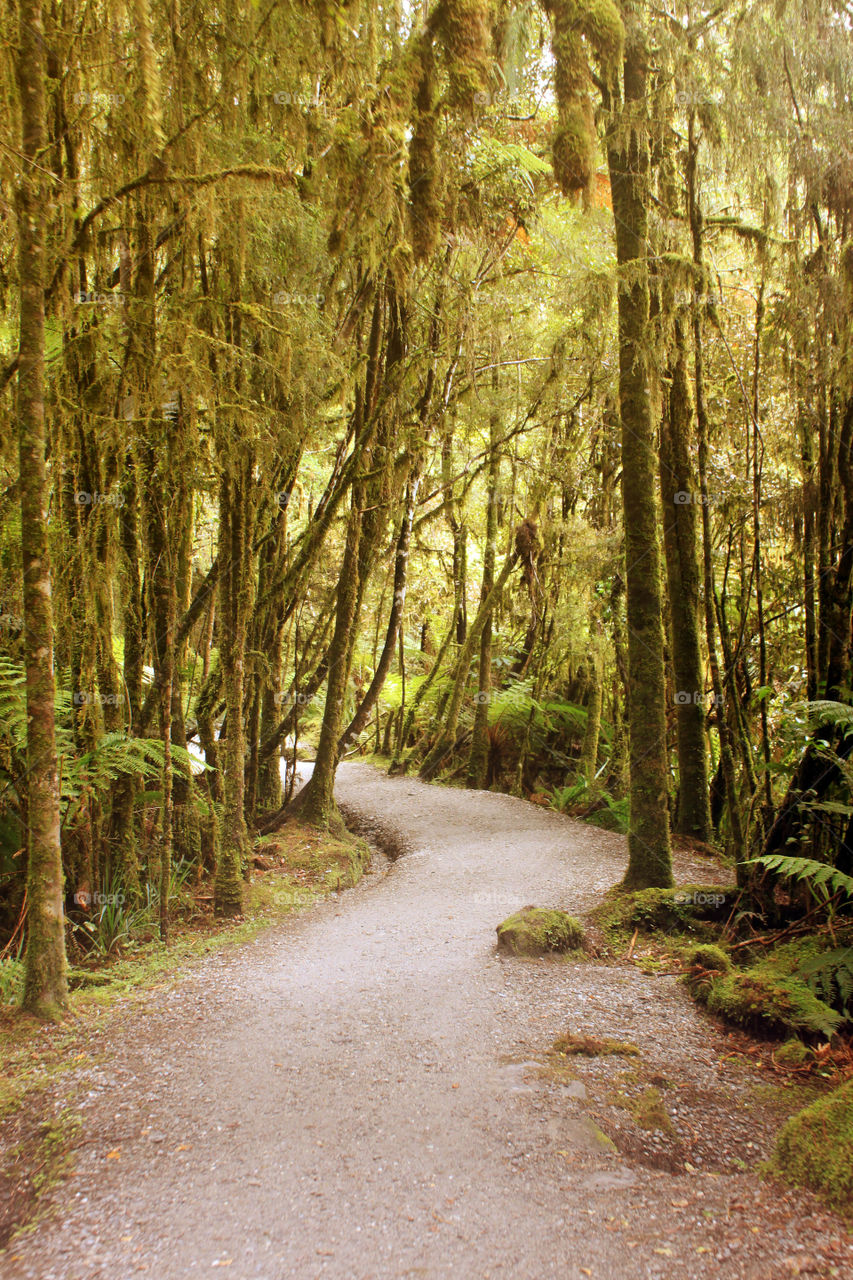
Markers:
573,149
424,204
462,27
579,30
601,24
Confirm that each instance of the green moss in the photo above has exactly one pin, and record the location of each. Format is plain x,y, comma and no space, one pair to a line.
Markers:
649,1111
572,149
600,1136
707,956
535,931
646,1108
704,960
793,1053
815,1148
593,1046
686,909
602,25
760,999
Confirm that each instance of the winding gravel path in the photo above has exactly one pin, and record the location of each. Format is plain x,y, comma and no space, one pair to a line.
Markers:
357,1093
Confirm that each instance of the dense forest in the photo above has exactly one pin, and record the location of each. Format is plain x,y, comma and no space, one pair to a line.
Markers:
465,384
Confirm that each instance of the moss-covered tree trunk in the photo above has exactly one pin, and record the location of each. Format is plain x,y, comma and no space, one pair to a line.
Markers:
318,804
592,728
678,498
727,762
478,761
628,160
235,585
446,738
395,622
45,990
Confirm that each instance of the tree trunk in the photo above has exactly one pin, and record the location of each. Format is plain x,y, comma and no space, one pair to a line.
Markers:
235,535
446,738
649,861
401,563
45,990
678,496
318,799
727,763
478,761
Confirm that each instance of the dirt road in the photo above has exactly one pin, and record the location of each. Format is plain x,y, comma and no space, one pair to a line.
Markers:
363,1092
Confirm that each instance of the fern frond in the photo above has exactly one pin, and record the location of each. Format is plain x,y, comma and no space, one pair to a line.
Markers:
818,874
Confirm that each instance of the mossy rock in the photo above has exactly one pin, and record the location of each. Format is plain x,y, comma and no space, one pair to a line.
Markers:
704,960
536,931
815,1148
761,999
704,955
793,1053
688,909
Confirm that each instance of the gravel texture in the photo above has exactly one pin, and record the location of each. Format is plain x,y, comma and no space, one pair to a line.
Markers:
366,1091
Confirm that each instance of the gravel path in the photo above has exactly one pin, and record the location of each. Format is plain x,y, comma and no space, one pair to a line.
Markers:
363,1092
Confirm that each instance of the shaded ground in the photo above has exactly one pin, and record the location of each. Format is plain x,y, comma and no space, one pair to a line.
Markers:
367,1092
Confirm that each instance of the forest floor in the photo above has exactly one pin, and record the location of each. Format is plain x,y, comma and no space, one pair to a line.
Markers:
369,1090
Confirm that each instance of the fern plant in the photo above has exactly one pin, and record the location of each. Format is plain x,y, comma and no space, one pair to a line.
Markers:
823,879
82,777
830,977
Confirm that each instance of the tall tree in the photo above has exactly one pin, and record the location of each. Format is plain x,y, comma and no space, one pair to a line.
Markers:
629,162
45,989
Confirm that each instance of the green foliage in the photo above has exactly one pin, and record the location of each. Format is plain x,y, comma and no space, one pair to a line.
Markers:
823,879
762,1000
592,803
830,976
115,921
687,909
11,980
84,776
815,1148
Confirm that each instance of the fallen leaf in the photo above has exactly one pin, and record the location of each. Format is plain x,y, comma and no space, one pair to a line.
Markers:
185,1146
115,1154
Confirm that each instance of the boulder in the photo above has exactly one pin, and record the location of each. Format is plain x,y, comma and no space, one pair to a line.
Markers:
537,931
